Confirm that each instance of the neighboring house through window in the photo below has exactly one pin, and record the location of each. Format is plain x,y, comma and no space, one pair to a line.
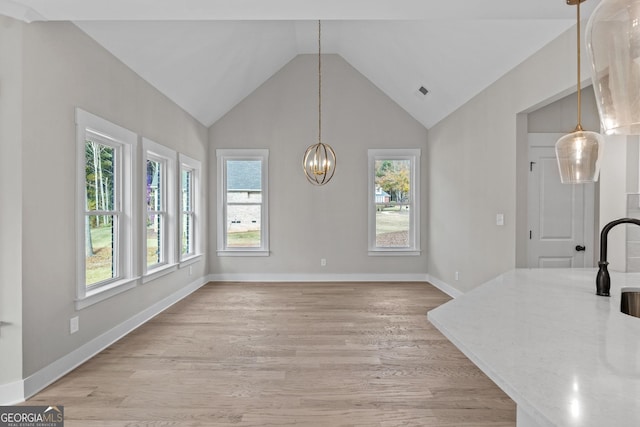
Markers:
243,227
394,203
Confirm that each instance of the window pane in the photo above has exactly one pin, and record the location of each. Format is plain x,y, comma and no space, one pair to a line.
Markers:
243,226
154,238
186,179
187,237
99,248
244,197
392,202
99,171
154,182
244,177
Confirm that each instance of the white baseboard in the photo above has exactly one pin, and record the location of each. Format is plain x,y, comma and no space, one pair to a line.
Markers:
444,287
12,393
62,366
302,277
18,391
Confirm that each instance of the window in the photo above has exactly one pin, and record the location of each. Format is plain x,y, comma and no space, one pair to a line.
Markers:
243,226
394,203
105,231
159,219
189,205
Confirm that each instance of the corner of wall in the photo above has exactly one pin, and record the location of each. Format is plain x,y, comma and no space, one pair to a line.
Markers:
11,212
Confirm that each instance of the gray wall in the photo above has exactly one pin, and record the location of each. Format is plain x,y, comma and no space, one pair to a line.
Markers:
562,115
471,170
10,201
64,69
307,222
475,169
618,177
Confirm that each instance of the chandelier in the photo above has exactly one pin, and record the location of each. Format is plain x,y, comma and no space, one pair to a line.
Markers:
319,161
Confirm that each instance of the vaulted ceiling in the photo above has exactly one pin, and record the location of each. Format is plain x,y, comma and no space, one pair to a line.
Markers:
208,55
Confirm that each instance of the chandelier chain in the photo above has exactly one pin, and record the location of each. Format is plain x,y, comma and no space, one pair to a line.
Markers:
319,160
319,85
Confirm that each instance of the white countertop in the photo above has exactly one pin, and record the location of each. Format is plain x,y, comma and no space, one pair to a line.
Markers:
566,356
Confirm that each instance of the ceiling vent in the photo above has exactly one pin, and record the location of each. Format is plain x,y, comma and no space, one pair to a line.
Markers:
421,93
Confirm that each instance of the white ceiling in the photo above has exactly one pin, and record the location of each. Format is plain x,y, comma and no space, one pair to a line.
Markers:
208,55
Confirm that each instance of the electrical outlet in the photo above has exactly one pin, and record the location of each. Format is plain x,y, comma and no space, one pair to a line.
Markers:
499,219
457,275
74,325
323,262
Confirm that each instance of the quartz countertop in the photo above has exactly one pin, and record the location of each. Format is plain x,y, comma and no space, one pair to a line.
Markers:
566,356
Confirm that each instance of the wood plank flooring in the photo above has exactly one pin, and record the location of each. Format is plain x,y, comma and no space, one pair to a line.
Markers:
285,354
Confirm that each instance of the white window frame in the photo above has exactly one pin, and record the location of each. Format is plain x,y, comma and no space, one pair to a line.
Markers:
223,155
125,142
189,164
167,157
413,155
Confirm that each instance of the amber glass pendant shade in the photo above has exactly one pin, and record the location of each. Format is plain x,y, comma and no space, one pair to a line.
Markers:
578,156
579,152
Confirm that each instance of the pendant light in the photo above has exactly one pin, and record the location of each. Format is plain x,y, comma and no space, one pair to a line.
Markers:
579,152
319,161
613,44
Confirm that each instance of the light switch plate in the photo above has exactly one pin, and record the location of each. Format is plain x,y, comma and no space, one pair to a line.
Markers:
499,219
74,325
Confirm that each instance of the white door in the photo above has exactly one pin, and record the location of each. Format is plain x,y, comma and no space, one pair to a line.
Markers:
561,216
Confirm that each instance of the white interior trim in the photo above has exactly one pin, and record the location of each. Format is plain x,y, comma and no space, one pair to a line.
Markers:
65,364
105,292
170,246
413,156
444,287
303,277
187,163
125,143
242,154
18,391
12,393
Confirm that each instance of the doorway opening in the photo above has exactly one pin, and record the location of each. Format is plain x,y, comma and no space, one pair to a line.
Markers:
557,225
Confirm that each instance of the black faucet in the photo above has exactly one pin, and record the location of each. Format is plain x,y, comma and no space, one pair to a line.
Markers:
603,281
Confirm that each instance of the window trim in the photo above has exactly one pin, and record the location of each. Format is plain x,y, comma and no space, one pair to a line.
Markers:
160,153
187,163
413,155
126,142
251,154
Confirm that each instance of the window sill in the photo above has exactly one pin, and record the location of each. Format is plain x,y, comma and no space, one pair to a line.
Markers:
243,253
105,292
190,260
391,252
159,272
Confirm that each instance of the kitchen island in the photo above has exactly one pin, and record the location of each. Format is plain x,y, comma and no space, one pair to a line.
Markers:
566,356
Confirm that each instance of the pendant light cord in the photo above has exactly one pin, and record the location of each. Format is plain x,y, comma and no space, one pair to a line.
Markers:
319,87
579,127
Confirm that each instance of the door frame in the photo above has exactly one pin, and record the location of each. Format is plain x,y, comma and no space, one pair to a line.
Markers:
591,227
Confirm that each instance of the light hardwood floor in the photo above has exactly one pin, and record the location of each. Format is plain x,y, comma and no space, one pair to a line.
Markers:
285,354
